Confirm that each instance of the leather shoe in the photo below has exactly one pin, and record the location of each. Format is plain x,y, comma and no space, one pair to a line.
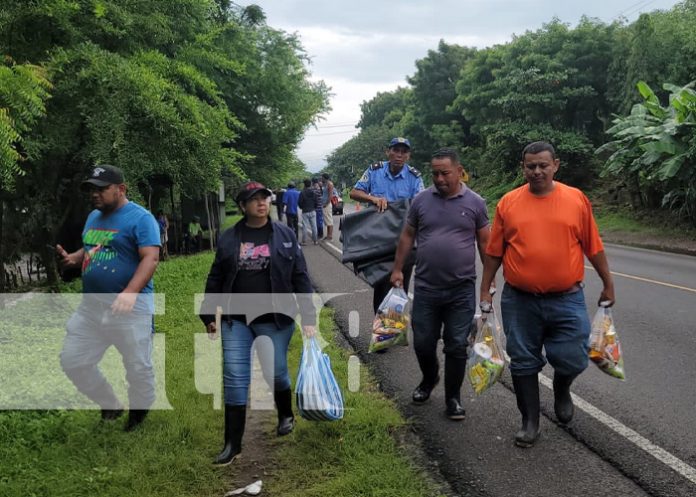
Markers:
423,391
455,411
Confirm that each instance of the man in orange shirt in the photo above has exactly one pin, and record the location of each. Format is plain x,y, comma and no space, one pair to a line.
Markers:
540,233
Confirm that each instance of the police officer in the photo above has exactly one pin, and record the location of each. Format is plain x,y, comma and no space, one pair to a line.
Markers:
389,181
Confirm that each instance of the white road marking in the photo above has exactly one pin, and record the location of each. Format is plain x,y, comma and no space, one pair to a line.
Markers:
333,247
647,280
636,438
632,436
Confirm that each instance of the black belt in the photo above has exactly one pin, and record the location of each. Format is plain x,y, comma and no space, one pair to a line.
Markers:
550,295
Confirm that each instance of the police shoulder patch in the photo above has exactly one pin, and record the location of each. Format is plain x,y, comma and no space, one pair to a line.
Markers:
414,171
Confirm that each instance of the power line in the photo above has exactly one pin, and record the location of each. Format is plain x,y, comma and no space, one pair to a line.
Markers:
633,8
336,125
332,133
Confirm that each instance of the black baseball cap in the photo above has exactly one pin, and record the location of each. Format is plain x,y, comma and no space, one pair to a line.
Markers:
103,175
249,189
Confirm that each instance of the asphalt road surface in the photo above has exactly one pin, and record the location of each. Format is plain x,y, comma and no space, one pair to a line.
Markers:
630,438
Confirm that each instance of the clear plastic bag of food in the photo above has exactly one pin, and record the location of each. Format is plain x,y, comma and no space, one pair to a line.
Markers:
486,361
605,348
391,321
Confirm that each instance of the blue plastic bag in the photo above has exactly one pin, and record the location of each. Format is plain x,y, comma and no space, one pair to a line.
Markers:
317,393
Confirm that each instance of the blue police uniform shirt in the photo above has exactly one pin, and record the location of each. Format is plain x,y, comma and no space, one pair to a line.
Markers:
378,181
111,246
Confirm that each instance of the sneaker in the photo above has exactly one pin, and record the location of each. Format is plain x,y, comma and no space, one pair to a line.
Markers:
454,410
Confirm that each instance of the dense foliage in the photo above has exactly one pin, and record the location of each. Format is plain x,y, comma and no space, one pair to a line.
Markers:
562,84
180,94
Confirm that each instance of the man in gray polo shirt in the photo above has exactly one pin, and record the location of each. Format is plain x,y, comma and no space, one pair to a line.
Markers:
448,220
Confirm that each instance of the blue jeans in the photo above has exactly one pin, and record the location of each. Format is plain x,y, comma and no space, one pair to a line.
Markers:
272,346
447,313
559,324
309,222
90,332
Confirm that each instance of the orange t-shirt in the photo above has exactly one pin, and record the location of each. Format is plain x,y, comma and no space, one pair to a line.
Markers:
542,239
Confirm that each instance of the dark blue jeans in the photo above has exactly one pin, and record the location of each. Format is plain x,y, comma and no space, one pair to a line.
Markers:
445,313
272,344
560,325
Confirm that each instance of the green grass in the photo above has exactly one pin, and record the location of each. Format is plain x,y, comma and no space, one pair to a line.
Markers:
651,223
615,221
230,221
72,453
354,456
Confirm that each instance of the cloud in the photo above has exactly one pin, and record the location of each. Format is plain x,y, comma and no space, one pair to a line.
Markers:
374,57
368,46
339,125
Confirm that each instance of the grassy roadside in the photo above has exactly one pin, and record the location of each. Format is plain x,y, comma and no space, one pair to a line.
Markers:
230,221
357,455
658,225
650,229
72,453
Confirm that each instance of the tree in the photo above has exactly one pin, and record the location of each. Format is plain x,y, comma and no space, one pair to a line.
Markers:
654,148
436,123
24,90
348,162
183,92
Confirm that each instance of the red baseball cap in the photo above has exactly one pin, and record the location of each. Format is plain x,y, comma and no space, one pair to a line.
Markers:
249,189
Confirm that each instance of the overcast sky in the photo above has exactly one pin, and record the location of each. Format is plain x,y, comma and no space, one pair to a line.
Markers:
363,47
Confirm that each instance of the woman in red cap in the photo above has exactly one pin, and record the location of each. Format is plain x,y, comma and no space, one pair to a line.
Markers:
259,277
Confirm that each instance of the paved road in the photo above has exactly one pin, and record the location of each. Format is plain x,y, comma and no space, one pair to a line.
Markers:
629,438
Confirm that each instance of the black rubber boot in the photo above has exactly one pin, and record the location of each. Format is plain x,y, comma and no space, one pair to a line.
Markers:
286,420
527,393
563,402
430,368
455,368
235,420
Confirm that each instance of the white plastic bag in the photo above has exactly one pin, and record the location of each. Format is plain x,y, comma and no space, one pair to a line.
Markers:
605,348
486,361
391,321
317,392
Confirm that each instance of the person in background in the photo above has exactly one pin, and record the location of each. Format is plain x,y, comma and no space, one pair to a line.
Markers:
290,200
195,234
318,190
279,193
308,205
257,256
163,223
541,233
327,207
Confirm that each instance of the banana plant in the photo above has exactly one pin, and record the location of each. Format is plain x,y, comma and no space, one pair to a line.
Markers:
655,146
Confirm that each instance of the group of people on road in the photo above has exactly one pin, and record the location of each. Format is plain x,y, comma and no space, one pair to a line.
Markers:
540,234
314,201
